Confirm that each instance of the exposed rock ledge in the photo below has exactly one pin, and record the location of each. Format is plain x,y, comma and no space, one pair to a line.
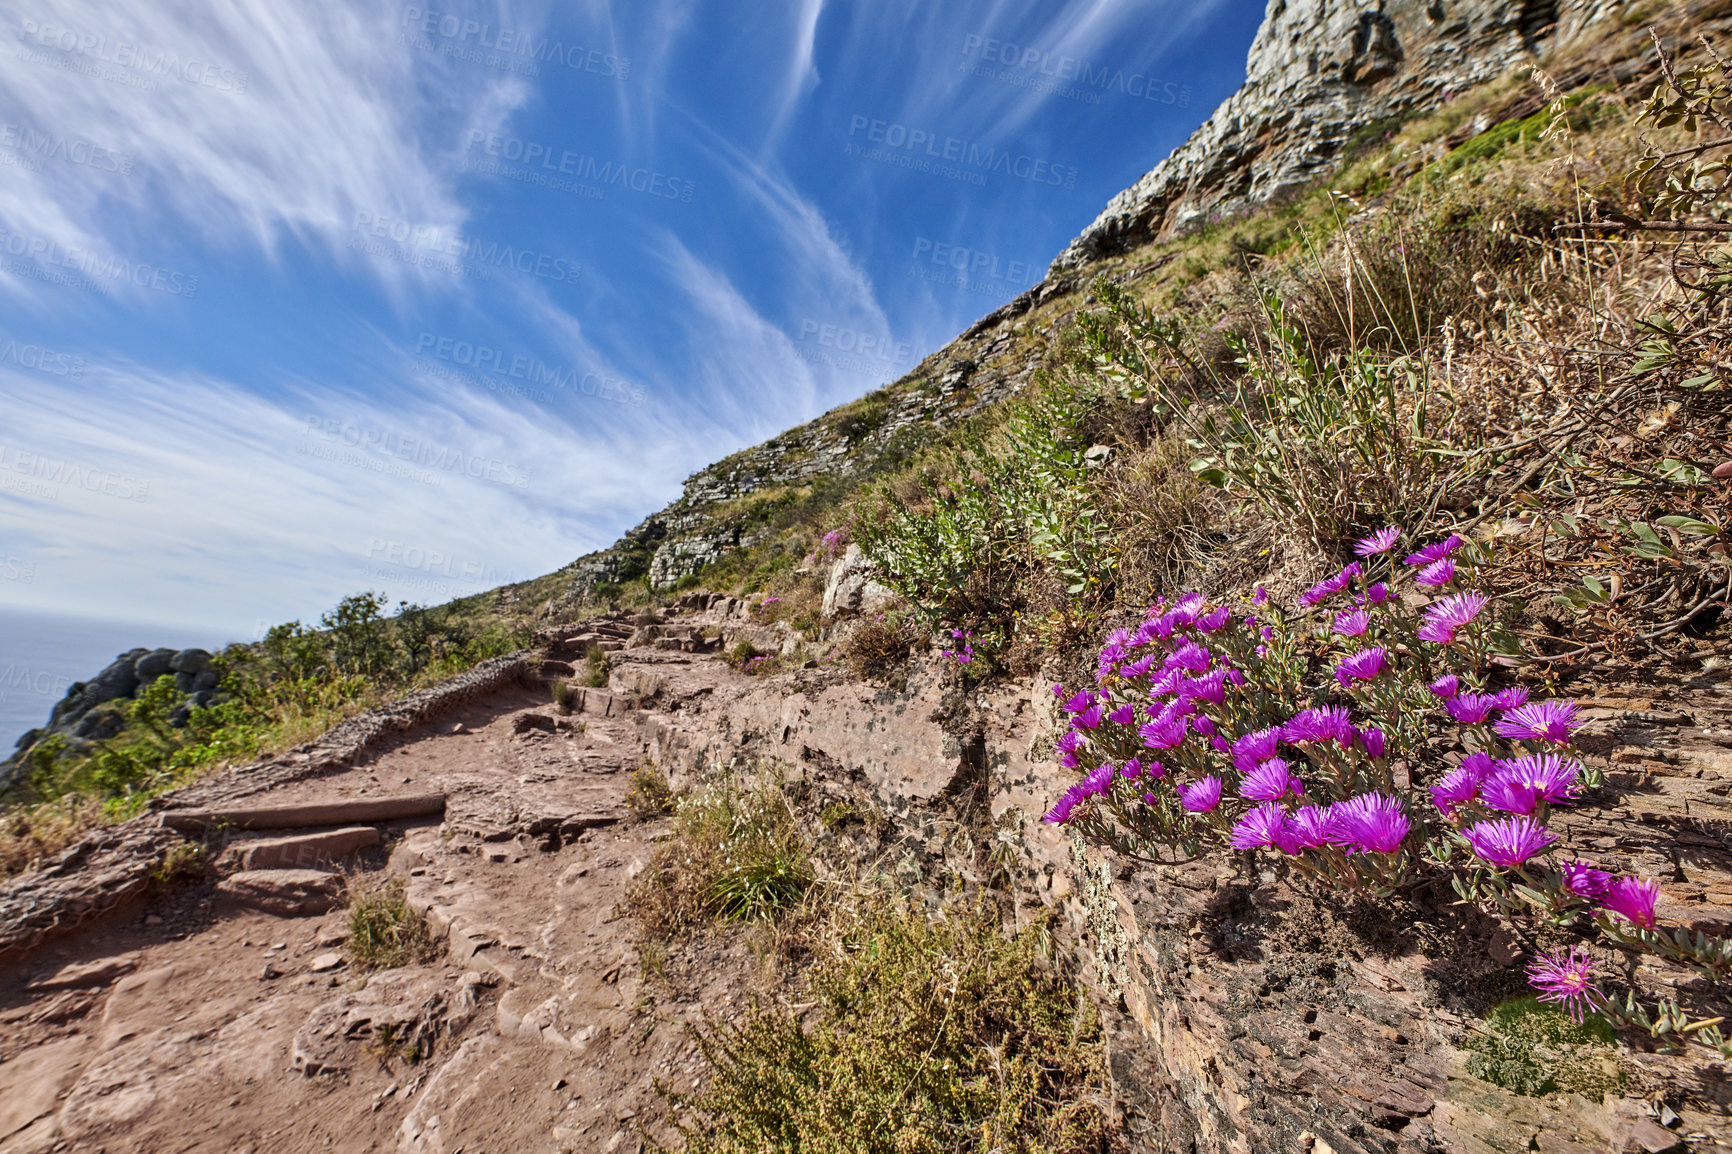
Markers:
1318,71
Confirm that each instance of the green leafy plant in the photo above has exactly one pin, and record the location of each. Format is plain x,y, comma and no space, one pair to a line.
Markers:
1534,1049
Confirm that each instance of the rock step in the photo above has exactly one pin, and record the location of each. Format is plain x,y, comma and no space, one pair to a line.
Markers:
304,850
350,811
286,893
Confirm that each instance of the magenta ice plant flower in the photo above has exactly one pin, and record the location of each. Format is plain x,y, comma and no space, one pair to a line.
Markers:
1470,708
1369,823
1190,656
1066,804
1445,686
1163,734
1270,781
1210,622
1332,585
1259,827
1306,828
1366,665
1632,899
1324,723
1436,551
1445,616
1071,741
1566,980
1554,779
1352,622
1508,842
1251,749
1379,593
1125,714
1210,687
1511,698
1381,541
1552,721
1458,787
1583,880
1437,573
1080,702
1202,796
1371,739
1131,770
1088,718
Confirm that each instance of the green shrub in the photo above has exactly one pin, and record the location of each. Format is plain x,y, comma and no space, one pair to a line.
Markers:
928,1037
959,535
1336,446
649,796
737,854
384,932
1532,1048
596,667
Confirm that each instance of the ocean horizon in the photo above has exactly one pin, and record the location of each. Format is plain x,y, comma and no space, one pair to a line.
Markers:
43,653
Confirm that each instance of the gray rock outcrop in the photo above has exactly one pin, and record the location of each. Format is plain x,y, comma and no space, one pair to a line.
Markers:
1318,72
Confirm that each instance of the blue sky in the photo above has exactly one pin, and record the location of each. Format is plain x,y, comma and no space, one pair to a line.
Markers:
301,299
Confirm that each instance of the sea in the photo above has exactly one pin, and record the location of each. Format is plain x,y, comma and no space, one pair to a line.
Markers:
41,654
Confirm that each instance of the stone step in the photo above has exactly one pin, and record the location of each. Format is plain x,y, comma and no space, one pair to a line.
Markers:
304,850
349,811
286,893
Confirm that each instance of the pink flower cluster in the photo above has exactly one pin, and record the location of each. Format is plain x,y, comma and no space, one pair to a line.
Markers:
964,655
1192,733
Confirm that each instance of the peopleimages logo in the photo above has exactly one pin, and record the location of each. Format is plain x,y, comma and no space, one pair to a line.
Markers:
432,561
416,450
917,148
1089,80
972,263
30,144
98,267
460,32
441,241
42,359
522,367
53,471
17,569
129,54
556,162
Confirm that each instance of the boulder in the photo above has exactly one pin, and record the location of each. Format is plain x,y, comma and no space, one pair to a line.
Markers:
286,893
851,589
191,661
100,724
153,665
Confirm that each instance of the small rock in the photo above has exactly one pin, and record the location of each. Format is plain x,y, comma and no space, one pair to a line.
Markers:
152,920
1723,470
269,972
324,962
459,728
1653,1137
560,1083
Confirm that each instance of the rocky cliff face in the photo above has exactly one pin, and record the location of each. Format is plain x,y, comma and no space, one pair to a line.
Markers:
1318,72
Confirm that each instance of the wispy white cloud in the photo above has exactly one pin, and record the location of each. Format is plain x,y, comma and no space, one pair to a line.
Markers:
246,122
180,497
